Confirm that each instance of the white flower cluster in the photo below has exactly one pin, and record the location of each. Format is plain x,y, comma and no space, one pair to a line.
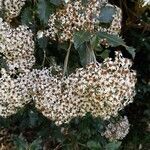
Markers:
17,45
13,94
17,92
117,131
75,16
47,93
101,89
12,8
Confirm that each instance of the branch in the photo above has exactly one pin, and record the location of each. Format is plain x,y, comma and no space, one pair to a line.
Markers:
66,60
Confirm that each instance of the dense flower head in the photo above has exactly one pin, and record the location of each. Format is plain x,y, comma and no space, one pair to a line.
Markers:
75,16
41,82
117,130
21,90
17,45
11,8
101,89
14,94
47,94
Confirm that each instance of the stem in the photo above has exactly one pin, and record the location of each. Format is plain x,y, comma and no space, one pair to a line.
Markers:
83,145
66,60
44,57
58,147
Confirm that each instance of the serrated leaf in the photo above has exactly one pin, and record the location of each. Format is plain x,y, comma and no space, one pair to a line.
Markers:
44,8
86,55
113,146
105,54
131,50
56,2
33,118
42,42
80,37
36,145
26,16
114,41
94,41
82,55
3,63
93,145
20,143
63,45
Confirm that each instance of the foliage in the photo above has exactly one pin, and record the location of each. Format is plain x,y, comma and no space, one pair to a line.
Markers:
136,33
37,132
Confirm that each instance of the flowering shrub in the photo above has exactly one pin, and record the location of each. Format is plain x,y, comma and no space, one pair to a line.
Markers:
63,63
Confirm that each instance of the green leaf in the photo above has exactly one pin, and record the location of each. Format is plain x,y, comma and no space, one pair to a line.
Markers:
36,145
26,16
80,37
63,45
131,50
93,145
56,2
43,42
115,41
106,14
44,8
3,63
94,41
105,54
20,143
33,118
82,54
86,54
113,146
